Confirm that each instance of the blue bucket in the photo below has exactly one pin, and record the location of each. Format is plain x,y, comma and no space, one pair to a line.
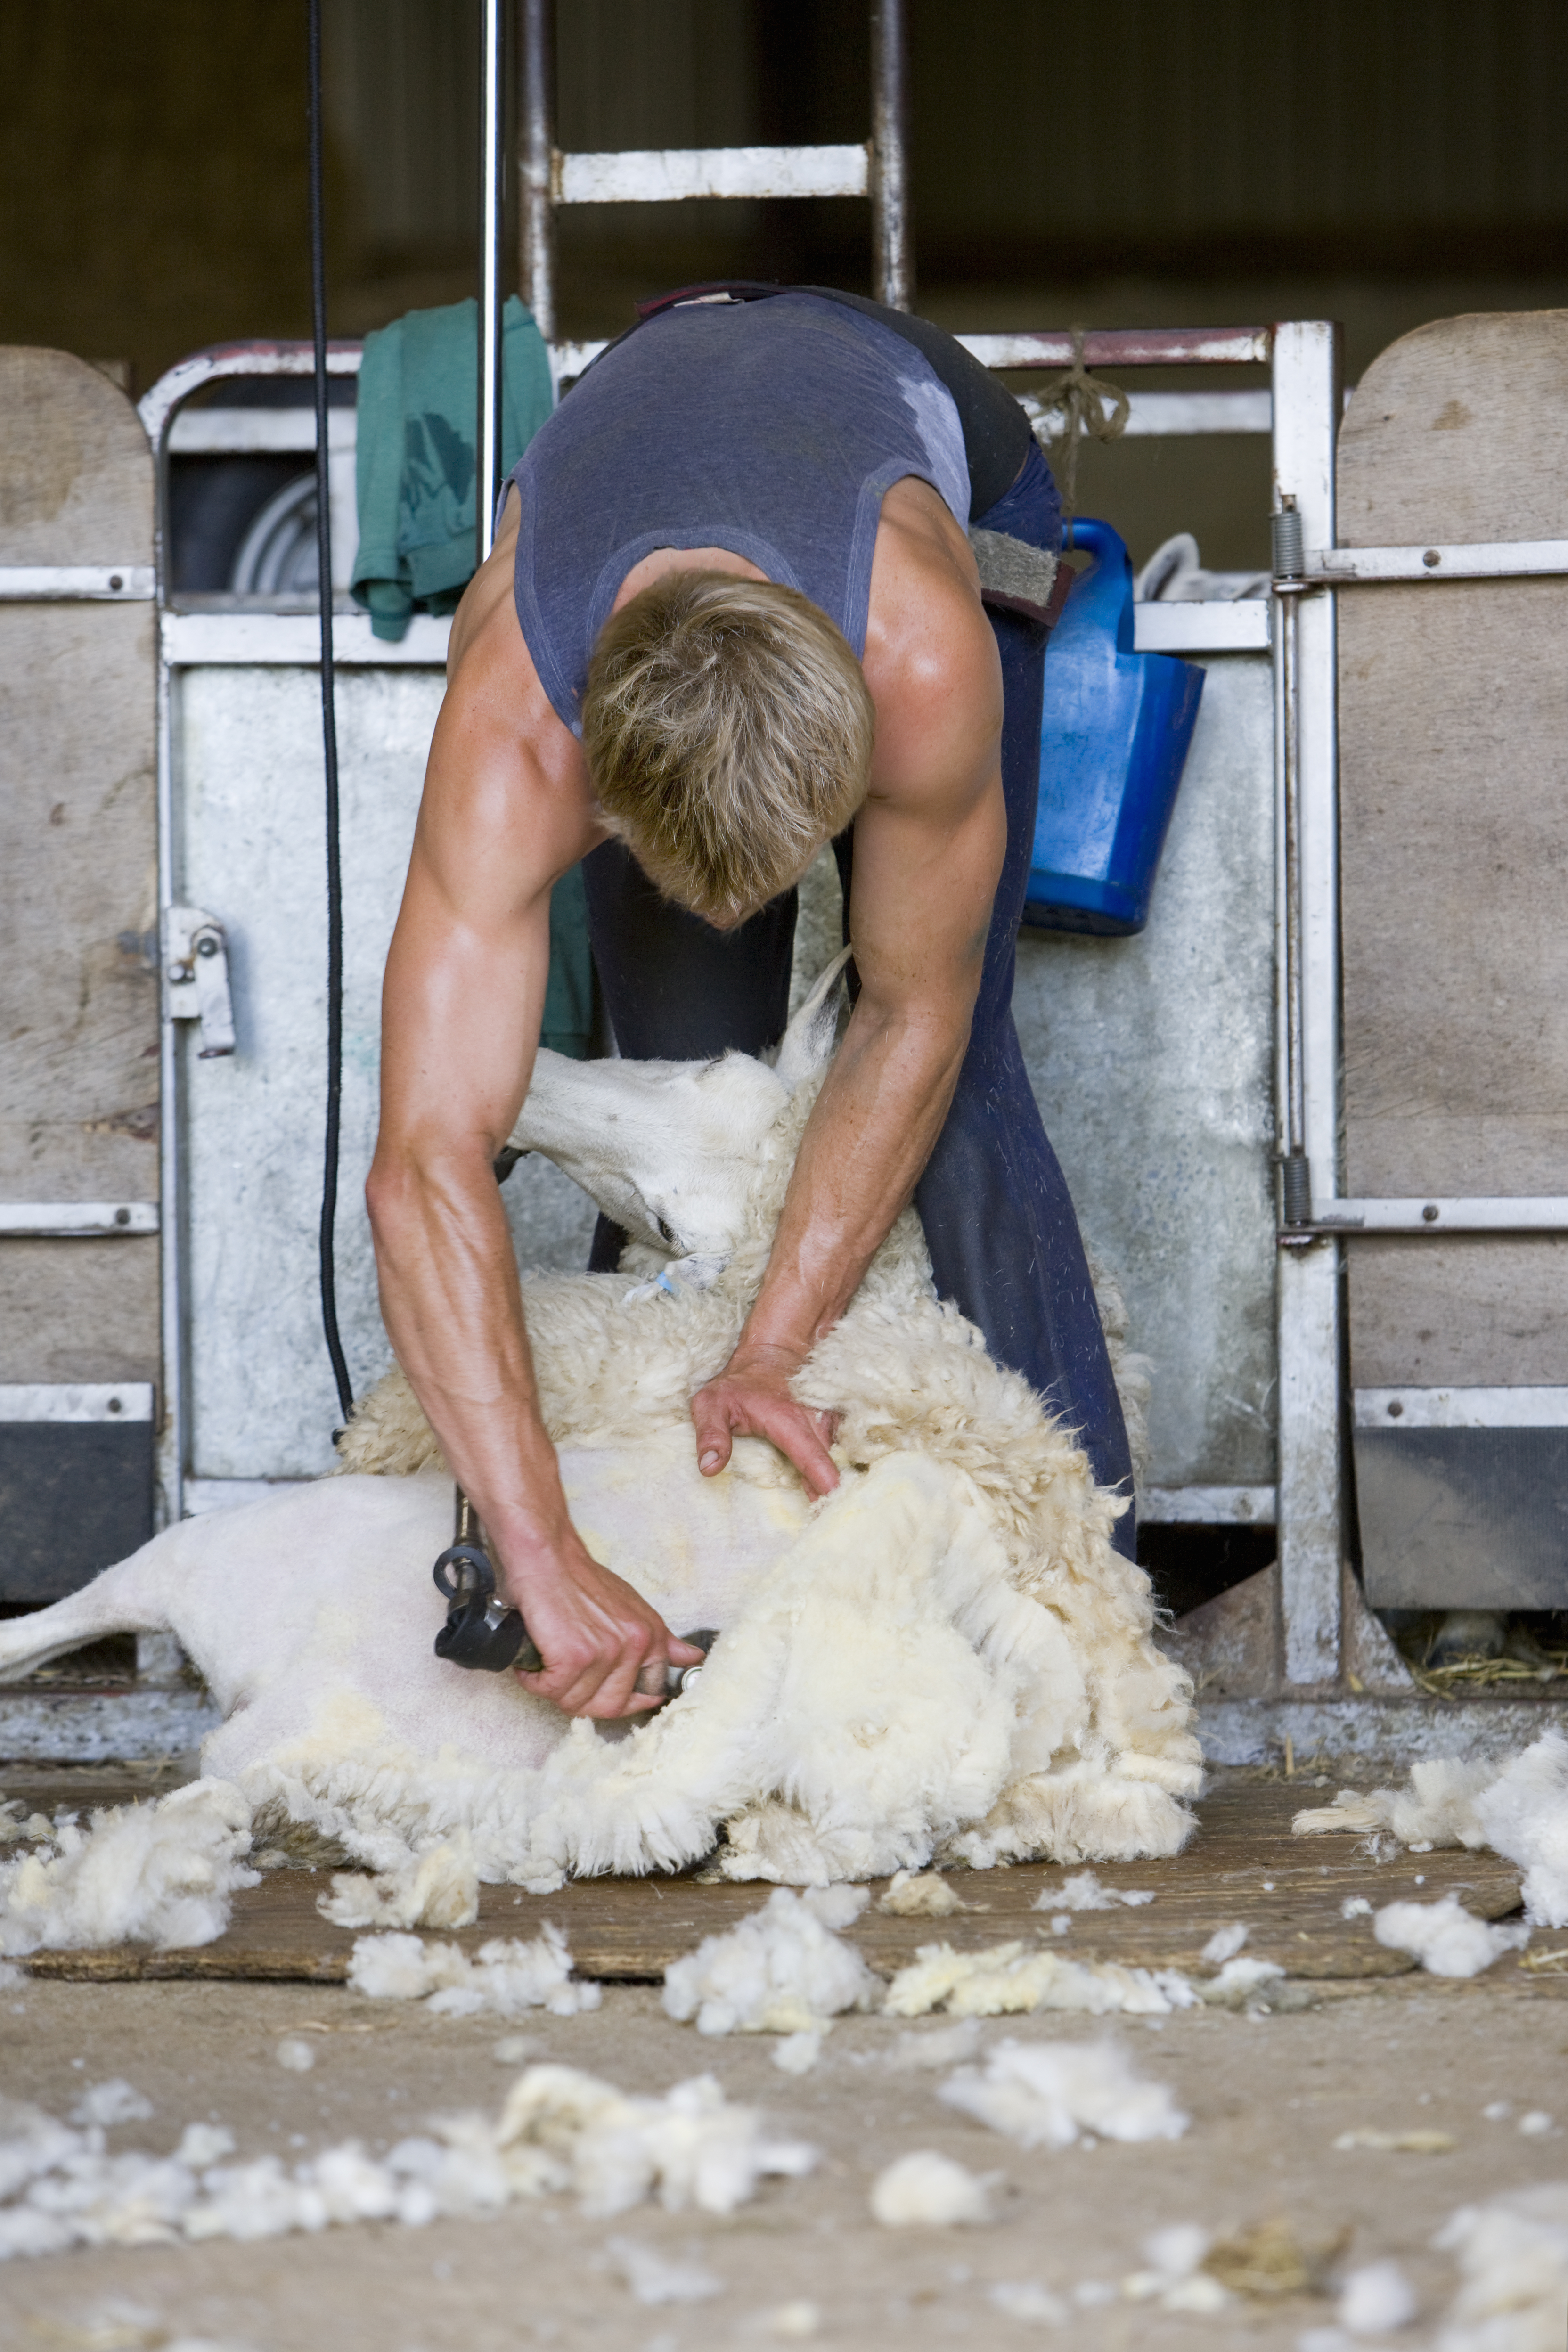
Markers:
1113,741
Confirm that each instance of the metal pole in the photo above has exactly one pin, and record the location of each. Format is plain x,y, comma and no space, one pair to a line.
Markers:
537,272
1311,1485
327,1248
1296,1168
492,211
893,250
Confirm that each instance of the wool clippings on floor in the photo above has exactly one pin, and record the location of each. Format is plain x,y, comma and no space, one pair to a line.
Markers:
559,2132
503,1979
1520,1810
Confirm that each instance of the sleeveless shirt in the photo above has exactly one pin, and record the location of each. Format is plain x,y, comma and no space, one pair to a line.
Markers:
772,429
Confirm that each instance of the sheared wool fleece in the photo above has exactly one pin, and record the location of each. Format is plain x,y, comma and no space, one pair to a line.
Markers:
951,1661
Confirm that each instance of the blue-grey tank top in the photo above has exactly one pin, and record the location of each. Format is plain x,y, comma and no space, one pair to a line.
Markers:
773,429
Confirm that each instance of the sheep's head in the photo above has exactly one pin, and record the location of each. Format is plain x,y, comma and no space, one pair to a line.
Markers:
670,1149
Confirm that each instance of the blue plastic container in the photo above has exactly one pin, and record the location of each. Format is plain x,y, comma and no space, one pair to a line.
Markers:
1113,741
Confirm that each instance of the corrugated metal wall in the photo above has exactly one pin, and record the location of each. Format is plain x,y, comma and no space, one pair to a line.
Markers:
1172,120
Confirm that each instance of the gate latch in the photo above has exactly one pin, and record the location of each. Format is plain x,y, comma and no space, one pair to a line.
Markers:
195,970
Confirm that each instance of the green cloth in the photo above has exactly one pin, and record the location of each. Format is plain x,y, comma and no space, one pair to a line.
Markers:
418,402
568,1023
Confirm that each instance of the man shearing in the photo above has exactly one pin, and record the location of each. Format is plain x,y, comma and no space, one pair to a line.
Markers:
732,613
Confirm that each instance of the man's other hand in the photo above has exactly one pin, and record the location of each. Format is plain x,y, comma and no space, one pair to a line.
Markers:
751,1398
605,1647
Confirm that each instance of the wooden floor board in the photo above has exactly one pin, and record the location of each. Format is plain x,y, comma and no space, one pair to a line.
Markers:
1243,1866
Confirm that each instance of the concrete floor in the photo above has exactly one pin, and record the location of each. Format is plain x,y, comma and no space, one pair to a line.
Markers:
1268,2097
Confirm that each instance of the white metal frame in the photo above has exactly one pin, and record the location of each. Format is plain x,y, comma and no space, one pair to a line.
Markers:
196,639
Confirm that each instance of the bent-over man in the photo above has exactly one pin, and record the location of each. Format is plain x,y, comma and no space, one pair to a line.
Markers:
732,613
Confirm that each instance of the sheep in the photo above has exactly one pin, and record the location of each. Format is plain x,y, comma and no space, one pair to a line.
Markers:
944,1660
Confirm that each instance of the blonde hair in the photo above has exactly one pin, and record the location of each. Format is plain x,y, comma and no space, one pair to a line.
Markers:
728,732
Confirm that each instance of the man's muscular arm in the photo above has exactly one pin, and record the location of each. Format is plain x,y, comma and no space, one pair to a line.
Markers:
504,813
928,847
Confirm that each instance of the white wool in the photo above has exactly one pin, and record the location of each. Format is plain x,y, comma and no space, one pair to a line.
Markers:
1375,2300
925,2190
1355,1906
1175,2252
1026,2301
1008,1979
654,2278
1170,2277
559,2130
1084,1892
1523,1815
111,2103
161,1873
294,2055
1519,1810
441,1889
1536,2123
948,2046
515,2049
1447,1940
781,1970
504,1978
1048,2093
792,2322
1224,1944
797,2053
1238,1982
925,1894
690,2148
1512,2254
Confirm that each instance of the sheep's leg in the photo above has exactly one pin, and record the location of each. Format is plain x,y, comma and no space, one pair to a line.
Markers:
116,1601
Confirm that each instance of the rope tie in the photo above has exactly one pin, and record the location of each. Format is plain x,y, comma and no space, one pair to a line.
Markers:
1063,411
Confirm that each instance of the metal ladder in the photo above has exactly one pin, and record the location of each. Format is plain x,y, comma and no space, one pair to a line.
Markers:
876,168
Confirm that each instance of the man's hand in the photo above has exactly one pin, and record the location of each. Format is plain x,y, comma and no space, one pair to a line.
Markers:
751,1398
605,1648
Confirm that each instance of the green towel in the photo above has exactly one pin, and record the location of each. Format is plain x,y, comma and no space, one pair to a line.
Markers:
568,1023
418,399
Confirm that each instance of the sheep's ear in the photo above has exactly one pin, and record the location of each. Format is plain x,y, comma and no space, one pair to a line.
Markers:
808,1045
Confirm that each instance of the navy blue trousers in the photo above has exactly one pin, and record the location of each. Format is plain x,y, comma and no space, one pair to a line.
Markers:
999,1221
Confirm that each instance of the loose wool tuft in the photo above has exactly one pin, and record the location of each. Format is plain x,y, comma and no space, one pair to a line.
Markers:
161,1873
1083,1892
440,1890
504,1978
1050,2093
1519,1810
1512,2254
1447,1940
1009,1979
924,2190
781,1970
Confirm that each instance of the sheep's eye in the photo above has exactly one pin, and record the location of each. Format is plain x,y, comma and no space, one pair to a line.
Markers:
665,1233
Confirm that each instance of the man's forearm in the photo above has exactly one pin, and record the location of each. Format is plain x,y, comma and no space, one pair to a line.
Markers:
869,1135
453,1310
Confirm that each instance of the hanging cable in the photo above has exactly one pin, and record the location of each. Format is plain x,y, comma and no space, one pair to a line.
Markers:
328,741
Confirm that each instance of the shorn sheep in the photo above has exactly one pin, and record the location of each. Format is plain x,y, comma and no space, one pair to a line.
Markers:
945,1660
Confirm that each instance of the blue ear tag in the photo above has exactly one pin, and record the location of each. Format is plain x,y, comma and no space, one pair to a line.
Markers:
1114,732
